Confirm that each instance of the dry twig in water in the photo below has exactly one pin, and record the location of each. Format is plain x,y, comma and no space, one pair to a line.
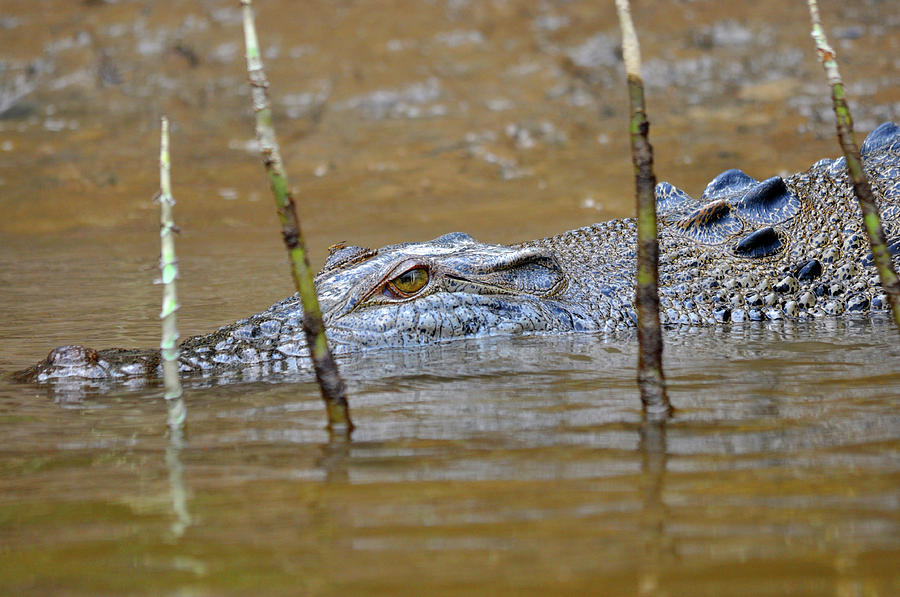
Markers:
651,380
327,375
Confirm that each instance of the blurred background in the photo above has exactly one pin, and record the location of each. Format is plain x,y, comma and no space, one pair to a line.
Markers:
406,119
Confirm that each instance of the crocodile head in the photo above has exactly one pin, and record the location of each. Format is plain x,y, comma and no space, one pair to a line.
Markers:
402,295
452,286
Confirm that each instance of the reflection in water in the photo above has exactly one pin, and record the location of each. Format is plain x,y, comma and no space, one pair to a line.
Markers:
849,583
479,462
654,457
177,413
333,460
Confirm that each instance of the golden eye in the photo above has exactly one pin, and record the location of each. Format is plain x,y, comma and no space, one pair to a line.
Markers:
410,282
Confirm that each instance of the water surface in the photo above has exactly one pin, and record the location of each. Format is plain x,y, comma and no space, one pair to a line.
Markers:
497,466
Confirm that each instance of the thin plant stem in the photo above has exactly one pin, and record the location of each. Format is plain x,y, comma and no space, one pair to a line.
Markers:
651,379
871,218
330,382
177,490
168,267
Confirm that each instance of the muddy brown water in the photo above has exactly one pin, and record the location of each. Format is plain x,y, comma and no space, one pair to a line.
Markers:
493,466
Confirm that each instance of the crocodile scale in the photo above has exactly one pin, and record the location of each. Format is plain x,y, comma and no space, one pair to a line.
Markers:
746,250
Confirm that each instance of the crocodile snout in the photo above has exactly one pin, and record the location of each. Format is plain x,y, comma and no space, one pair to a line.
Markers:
63,361
72,355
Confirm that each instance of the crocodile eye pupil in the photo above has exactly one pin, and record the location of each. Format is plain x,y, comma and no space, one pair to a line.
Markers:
410,282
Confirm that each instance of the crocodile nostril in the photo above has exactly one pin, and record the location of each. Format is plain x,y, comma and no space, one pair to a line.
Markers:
72,355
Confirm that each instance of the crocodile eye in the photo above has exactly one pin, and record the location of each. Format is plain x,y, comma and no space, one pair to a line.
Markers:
408,283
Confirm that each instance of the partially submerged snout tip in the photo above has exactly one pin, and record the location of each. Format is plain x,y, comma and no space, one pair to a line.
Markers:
65,357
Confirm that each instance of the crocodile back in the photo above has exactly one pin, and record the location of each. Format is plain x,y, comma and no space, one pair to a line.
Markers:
748,248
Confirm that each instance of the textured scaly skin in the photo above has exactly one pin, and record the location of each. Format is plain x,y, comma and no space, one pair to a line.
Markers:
745,251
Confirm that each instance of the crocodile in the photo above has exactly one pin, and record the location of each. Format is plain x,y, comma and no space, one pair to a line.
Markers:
746,250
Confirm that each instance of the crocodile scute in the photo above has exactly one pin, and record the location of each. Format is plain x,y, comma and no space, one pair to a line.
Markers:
746,250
